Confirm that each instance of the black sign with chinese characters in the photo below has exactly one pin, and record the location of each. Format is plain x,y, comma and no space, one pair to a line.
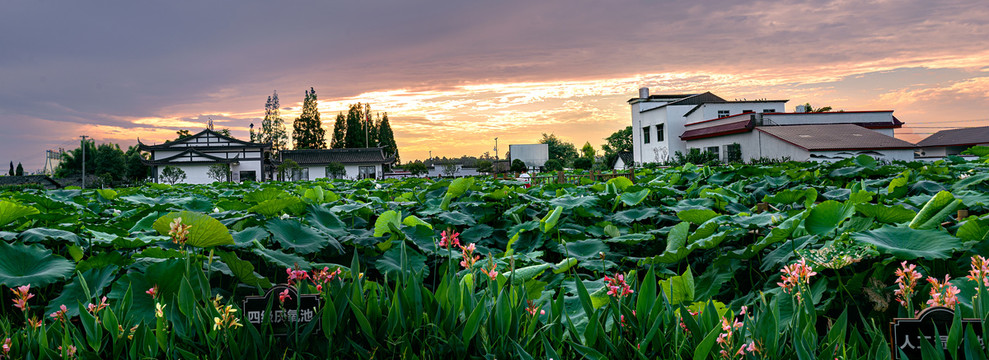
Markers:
296,310
907,333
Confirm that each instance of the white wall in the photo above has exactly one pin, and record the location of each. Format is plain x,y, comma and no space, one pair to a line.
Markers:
849,117
879,154
710,111
353,171
533,155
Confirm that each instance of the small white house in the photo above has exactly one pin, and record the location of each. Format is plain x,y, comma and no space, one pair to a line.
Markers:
195,154
623,161
358,163
951,142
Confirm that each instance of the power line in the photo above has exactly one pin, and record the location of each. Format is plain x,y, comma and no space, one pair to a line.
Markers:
948,121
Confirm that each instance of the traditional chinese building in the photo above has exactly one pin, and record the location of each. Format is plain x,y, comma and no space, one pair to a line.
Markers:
195,154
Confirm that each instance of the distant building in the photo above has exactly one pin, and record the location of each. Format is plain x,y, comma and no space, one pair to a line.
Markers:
952,142
623,161
358,163
195,154
742,130
533,155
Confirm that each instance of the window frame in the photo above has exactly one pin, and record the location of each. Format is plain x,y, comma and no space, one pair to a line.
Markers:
645,134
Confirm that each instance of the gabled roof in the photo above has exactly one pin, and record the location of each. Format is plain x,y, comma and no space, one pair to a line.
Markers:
957,137
171,145
834,137
733,102
375,155
663,97
719,130
626,157
690,100
190,153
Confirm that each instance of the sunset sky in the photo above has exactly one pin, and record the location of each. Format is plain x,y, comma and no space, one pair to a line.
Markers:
453,75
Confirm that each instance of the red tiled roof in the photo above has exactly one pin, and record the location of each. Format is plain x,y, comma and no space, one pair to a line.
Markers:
719,130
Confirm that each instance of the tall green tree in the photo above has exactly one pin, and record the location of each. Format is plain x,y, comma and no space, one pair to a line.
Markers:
619,141
355,129
339,138
20,170
387,138
135,169
559,150
309,132
11,172
587,151
273,126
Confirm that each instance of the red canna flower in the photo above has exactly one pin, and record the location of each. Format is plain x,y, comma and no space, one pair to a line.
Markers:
794,275
153,291
21,295
284,296
943,293
906,282
617,286
449,238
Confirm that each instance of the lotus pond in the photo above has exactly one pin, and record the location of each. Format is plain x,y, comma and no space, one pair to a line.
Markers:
790,260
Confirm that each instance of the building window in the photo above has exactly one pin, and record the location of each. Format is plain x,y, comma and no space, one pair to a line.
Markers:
300,174
713,150
248,176
659,133
723,113
733,153
768,110
645,135
365,172
746,111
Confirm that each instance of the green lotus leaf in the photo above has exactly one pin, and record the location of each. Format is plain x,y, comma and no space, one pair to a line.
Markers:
570,202
633,215
621,183
43,234
108,194
73,293
302,239
274,207
549,221
907,243
381,225
586,249
414,221
974,229
31,265
886,214
205,231
697,216
527,273
455,218
827,216
634,198
936,210
265,194
243,270
401,260
10,211
282,260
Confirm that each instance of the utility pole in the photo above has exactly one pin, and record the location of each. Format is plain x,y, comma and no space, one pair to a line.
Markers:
496,149
83,160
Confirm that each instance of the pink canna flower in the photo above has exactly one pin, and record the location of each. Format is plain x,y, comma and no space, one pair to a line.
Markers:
59,314
5,349
21,295
153,291
95,308
467,252
449,238
979,272
794,275
906,282
70,352
296,276
284,296
323,276
943,293
617,286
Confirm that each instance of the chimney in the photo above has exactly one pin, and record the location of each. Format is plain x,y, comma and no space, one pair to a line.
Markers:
643,92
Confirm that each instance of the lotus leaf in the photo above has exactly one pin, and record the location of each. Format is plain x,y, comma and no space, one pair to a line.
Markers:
205,231
886,214
10,211
827,216
939,207
908,243
302,239
31,265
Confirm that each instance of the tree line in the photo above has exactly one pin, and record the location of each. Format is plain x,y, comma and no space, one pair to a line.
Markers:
359,128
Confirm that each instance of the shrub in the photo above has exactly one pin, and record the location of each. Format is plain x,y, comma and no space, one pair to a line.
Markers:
552,165
518,166
583,163
172,175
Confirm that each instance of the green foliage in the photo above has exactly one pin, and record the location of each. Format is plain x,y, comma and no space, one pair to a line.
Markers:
171,175
619,141
273,126
686,240
518,166
416,168
551,165
559,150
219,172
583,163
308,132
335,170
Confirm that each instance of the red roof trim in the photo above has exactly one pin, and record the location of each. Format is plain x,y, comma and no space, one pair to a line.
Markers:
828,112
721,118
711,135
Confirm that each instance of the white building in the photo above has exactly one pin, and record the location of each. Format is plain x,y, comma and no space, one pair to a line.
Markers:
742,130
533,155
195,154
952,142
358,163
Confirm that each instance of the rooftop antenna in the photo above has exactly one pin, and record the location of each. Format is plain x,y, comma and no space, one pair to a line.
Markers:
84,160
209,125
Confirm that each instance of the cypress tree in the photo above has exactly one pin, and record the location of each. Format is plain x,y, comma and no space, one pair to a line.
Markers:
11,173
339,141
309,132
387,138
273,127
20,170
355,133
